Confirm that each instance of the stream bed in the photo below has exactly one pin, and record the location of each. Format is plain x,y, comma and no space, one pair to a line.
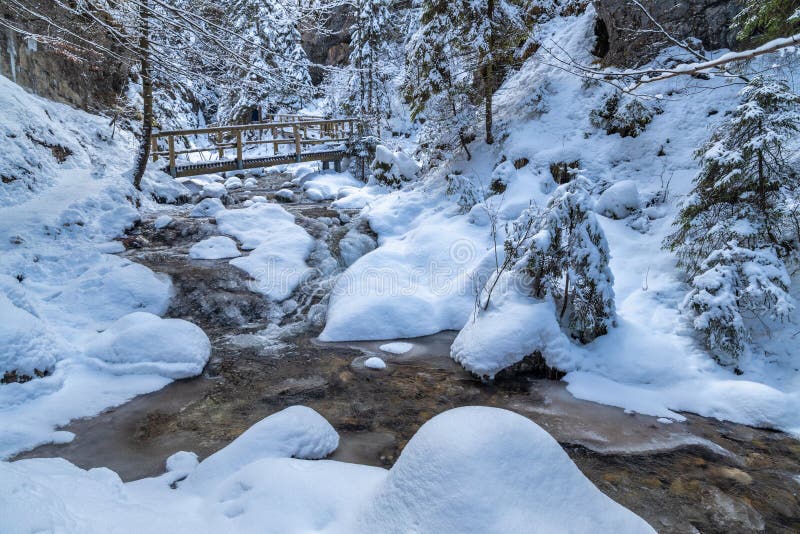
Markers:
700,475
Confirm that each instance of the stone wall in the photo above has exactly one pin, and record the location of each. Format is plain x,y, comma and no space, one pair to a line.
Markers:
92,83
620,45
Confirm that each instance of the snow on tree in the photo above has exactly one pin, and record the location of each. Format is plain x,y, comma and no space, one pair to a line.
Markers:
762,20
567,259
275,75
456,40
739,217
734,280
367,86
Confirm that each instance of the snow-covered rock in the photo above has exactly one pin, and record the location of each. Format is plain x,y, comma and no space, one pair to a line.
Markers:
390,167
162,221
279,247
619,200
315,195
208,207
26,345
513,327
233,183
214,248
250,182
478,469
259,198
397,347
295,432
164,188
353,245
213,190
143,343
327,185
374,363
284,195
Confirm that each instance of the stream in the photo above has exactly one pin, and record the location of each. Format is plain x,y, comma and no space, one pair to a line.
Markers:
701,475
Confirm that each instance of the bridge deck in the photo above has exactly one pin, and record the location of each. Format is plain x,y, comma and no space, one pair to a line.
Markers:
207,167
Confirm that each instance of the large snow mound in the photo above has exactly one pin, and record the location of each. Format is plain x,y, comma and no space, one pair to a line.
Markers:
279,247
467,470
477,469
295,432
144,343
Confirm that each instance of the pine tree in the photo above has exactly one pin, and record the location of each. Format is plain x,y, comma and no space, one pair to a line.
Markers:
567,259
763,20
276,73
736,219
455,40
367,90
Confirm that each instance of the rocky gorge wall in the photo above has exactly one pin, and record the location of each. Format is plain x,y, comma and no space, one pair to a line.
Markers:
624,31
64,73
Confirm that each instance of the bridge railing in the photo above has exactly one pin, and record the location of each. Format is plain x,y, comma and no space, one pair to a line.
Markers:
238,138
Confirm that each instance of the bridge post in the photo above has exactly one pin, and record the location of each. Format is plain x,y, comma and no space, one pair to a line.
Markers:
337,165
297,144
171,143
326,165
221,151
154,147
239,162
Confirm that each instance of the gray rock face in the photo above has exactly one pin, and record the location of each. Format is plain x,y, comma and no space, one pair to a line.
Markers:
620,44
92,84
330,47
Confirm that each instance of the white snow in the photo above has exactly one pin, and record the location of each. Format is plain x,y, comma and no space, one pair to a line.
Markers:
233,183
59,286
208,207
650,362
374,363
214,248
162,221
285,195
327,185
508,474
397,347
278,247
619,200
213,190
143,343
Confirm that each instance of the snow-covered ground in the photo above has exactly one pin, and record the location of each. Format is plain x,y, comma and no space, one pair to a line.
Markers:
78,320
461,472
433,257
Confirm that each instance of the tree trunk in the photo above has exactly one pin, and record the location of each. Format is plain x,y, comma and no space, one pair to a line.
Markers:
147,94
488,72
566,298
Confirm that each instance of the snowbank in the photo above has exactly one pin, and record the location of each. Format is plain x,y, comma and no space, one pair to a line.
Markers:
470,469
214,248
477,469
419,281
278,247
143,343
619,200
65,198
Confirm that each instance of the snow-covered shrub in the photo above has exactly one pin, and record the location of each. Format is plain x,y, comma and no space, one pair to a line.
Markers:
567,259
732,280
738,227
465,189
393,168
622,114
619,200
501,176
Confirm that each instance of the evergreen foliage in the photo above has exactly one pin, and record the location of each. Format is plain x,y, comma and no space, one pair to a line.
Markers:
567,258
763,20
735,232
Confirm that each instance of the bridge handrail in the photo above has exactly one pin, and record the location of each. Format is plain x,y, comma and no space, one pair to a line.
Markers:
253,126
299,137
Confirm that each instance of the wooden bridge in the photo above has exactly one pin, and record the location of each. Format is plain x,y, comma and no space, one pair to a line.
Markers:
293,139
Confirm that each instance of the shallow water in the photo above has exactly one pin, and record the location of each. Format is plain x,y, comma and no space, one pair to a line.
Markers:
697,475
